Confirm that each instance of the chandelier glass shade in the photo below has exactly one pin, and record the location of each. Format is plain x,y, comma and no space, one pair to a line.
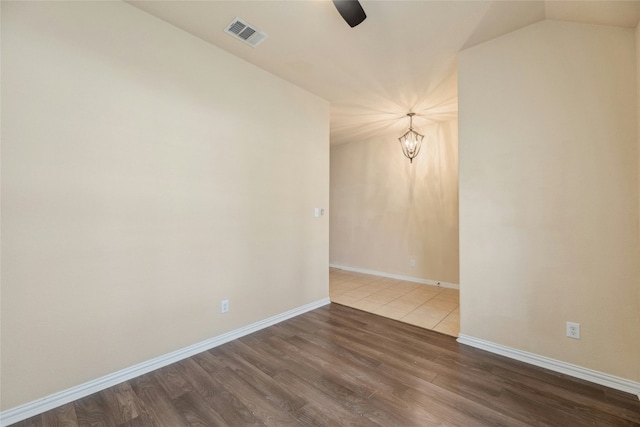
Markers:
411,141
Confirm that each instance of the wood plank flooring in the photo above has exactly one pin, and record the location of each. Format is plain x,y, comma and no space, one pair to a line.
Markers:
337,366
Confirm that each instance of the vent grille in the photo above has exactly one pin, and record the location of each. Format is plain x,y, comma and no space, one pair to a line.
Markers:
249,34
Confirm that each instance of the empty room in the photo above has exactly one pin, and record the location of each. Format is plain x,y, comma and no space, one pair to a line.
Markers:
315,213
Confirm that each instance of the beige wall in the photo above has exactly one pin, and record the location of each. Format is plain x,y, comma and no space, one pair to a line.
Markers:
638,135
386,211
146,175
549,194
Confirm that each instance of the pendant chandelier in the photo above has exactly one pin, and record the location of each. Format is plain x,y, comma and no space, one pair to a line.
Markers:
411,141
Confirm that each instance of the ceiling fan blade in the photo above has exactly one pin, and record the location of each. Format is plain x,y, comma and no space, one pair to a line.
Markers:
351,11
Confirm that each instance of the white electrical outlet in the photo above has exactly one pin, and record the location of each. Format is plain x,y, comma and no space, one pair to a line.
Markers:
412,263
573,330
224,306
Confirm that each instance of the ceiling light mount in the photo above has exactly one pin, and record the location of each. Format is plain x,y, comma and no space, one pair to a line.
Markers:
411,141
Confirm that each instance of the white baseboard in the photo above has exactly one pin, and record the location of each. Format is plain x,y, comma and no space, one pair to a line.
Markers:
554,365
39,406
397,276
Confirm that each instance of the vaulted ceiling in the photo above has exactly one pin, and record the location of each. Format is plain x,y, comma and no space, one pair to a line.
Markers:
401,58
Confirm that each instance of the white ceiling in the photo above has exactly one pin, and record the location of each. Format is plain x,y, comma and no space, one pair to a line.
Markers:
401,58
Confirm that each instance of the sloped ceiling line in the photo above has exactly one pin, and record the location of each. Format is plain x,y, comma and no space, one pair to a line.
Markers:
400,59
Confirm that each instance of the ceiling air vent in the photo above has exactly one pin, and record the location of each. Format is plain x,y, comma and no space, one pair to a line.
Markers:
245,32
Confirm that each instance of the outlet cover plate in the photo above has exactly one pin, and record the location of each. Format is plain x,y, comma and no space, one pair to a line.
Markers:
573,330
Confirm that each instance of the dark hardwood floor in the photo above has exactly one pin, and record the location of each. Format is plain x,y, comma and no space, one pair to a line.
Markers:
337,366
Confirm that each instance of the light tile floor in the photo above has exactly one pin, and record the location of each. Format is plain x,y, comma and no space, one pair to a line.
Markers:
430,307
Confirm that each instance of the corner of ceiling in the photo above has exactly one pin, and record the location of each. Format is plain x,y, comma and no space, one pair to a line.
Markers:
502,17
617,13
